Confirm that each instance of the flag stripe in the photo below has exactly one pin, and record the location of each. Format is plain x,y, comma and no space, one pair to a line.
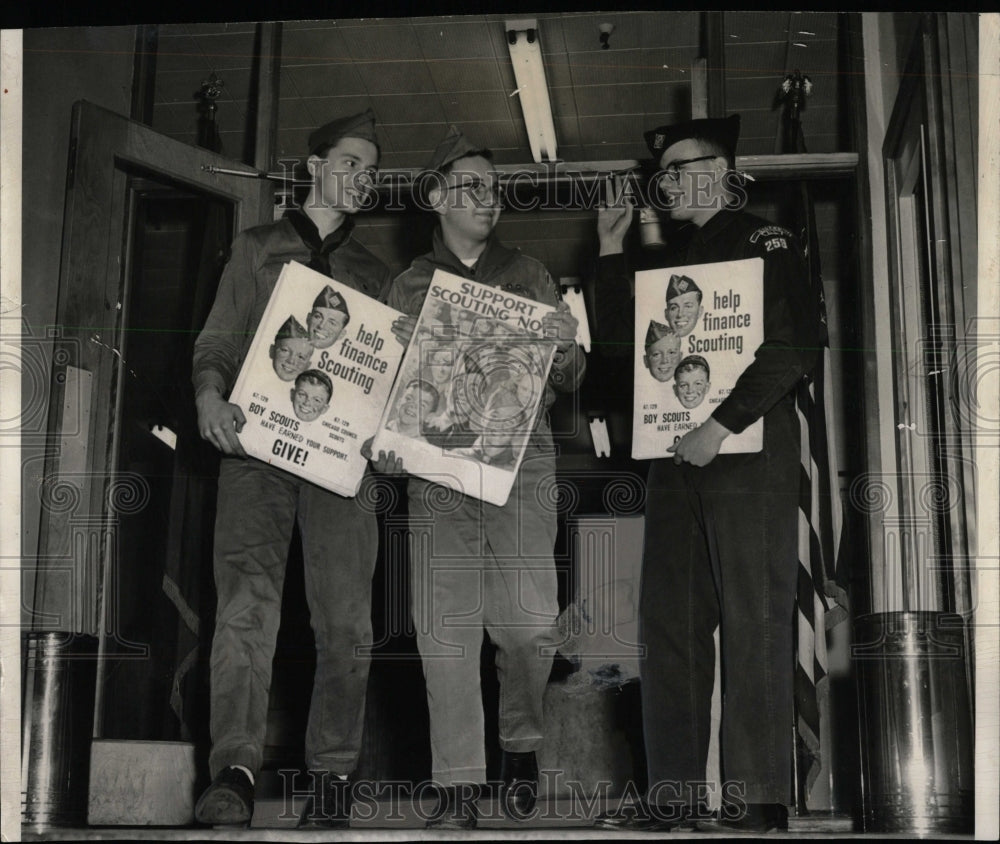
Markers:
819,529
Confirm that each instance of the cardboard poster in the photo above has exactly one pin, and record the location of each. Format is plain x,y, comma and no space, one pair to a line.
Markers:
316,378
469,388
696,329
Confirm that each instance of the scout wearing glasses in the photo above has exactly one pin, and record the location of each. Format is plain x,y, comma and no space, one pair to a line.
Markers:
493,566
719,526
259,505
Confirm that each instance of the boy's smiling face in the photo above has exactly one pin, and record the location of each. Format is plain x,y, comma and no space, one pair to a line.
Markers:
683,312
310,401
325,326
690,386
663,356
290,356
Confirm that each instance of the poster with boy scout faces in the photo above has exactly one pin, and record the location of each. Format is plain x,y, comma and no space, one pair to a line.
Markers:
316,378
696,329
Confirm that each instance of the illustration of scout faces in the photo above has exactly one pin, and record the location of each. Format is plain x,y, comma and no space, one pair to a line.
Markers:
663,351
663,342
683,304
291,352
419,402
311,394
691,381
472,403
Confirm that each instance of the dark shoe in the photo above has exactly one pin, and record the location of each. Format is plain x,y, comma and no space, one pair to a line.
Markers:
641,817
751,818
456,809
519,772
329,806
228,800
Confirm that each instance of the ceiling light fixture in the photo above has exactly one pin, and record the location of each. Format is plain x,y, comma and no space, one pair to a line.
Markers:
529,71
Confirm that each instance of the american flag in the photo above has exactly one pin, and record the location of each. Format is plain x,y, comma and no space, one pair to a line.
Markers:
820,522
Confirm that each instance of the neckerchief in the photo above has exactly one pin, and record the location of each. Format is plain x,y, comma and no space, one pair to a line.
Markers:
319,251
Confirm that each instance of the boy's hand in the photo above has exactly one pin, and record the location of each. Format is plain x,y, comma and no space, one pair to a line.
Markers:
560,325
699,447
403,327
219,422
612,225
386,464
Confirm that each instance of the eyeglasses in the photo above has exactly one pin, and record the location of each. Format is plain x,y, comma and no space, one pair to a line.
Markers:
480,190
366,177
673,172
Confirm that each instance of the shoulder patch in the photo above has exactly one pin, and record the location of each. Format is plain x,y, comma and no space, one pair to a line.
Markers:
770,231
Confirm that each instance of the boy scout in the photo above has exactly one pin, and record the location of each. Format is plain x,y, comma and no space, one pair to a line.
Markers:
311,395
328,318
258,505
488,566
663,351
721,541
692,381
291,352
683,304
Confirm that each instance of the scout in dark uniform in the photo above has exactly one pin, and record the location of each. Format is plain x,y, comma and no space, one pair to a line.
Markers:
259,505
487,566
721,531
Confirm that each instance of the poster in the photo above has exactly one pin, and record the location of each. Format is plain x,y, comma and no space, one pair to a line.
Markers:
869,331
469,389
316,378
696,329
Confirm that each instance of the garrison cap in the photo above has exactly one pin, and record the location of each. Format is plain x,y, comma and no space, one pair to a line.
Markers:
656,332
453,147
356,126
330,298
291,329
724,131
681,284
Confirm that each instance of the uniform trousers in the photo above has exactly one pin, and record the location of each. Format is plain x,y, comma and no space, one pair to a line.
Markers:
721,549
476,566
257,509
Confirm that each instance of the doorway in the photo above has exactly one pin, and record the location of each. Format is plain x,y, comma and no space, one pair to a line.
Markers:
154,683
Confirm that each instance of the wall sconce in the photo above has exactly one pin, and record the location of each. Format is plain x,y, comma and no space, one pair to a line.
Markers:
529,71
606,29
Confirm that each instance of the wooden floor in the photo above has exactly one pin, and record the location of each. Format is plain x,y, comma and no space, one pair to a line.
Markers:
403,820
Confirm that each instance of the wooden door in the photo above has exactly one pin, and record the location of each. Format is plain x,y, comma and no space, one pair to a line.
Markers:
117,514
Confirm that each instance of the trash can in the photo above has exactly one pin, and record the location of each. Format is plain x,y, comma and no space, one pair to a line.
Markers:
57,722
916,722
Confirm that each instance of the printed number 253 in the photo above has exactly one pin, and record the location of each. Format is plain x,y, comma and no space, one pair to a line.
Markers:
776,243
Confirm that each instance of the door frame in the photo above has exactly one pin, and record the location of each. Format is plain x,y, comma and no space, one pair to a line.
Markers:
81,492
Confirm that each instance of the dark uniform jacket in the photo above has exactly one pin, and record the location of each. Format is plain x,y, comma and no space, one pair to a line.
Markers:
792,329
